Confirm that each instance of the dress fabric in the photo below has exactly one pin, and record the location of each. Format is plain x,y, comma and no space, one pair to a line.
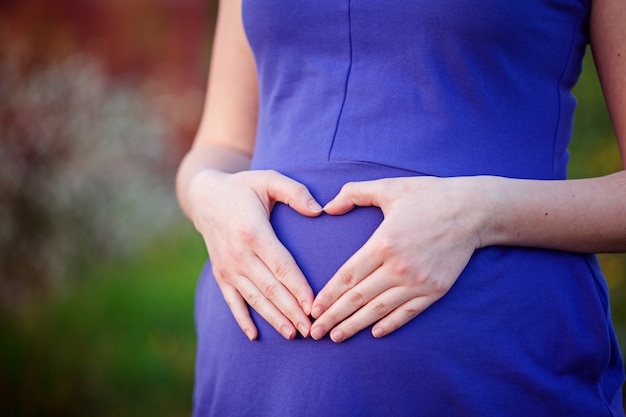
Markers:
353,90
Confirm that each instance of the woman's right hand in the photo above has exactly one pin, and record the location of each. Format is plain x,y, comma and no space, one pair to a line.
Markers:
250,264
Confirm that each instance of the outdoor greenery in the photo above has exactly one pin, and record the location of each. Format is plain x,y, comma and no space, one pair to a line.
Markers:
119,341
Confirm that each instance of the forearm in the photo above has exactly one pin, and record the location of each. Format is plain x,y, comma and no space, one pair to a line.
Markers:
204,157
586,215
577,215
226,135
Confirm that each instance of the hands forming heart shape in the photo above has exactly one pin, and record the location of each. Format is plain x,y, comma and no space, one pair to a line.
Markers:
431,228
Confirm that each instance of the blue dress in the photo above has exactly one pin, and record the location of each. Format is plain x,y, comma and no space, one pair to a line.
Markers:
354,90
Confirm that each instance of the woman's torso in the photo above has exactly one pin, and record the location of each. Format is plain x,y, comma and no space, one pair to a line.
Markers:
357,90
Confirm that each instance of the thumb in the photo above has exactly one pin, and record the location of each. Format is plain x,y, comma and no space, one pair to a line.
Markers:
293,193
353,194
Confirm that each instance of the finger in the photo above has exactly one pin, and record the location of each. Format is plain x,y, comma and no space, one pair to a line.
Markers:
372,312
274,291
365,261
285,269
401,316
348,304
293,193
239,309
365,193
265,308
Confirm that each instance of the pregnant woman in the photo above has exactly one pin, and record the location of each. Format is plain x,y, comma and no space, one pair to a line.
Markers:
381,187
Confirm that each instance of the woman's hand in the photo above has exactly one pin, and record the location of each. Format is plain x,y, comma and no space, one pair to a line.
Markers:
430,231
232,211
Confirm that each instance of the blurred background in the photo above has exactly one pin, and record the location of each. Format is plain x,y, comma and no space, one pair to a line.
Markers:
99,99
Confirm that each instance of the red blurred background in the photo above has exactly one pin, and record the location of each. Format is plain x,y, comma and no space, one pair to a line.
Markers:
99,100
167,40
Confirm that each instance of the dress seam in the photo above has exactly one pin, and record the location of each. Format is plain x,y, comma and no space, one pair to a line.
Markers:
559,119
345,89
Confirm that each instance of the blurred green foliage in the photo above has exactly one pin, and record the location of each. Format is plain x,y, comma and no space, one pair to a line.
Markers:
121,342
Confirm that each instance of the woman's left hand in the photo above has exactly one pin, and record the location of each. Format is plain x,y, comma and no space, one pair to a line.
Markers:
430,230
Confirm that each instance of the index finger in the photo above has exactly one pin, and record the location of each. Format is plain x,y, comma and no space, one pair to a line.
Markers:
280,262
360,265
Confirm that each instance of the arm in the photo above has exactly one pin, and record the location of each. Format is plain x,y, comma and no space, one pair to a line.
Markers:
584,215
395,276
230,206
225,138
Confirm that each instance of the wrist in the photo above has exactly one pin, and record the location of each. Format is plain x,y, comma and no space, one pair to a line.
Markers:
489,195
201,160
196,191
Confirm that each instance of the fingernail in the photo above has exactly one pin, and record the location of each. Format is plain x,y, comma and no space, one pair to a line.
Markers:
287,332
377,332
317,332
337,336
250,334
306,307
314,206
317,311
303,329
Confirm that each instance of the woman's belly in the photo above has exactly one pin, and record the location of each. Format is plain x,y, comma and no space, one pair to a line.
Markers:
322,244
521,298
517,323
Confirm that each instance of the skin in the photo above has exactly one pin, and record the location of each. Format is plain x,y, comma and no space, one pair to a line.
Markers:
410,261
